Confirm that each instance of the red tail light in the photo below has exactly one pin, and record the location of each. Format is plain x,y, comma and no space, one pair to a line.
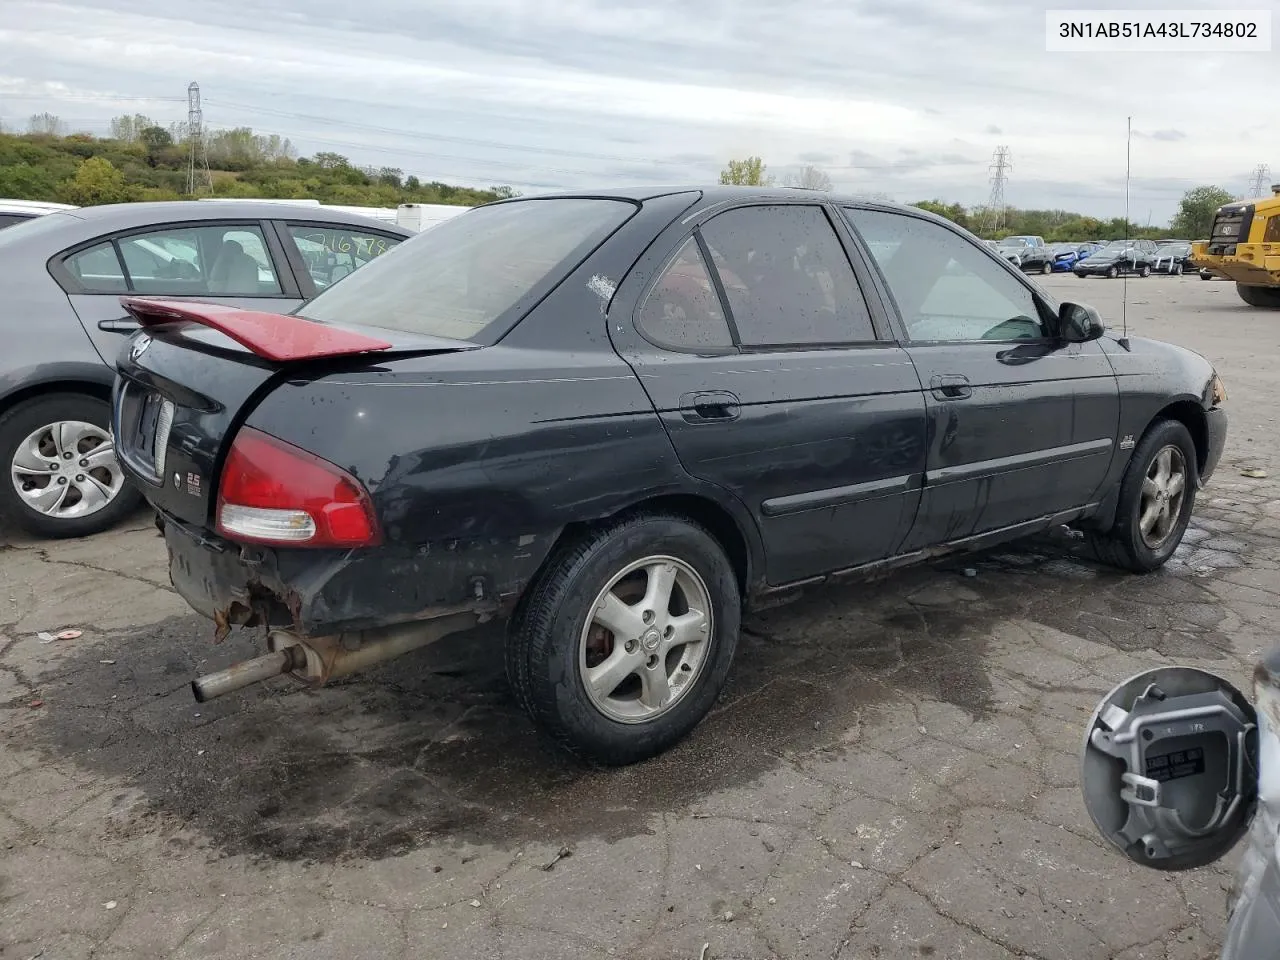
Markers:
274,492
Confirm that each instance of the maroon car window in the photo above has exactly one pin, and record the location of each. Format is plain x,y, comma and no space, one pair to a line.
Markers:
683,310
463,276
787,278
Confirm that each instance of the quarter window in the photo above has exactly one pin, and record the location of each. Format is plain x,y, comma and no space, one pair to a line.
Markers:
946,287
787,278
331,252
98,269
683,310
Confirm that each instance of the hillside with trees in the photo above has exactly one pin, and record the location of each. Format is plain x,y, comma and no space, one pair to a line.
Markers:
142,160
1192,222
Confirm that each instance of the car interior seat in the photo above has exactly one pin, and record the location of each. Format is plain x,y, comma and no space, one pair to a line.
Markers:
234,271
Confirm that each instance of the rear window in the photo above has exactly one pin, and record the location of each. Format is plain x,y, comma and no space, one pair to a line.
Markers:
470,277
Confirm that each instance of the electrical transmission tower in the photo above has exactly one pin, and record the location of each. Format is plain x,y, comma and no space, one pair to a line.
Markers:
198,161
1001,164
1261,180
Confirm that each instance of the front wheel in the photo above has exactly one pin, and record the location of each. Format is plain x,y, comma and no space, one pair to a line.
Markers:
1047,268
63,479
1157,496
1259,296
1113,272
626,639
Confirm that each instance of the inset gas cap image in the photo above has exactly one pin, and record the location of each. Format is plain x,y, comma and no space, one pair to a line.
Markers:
1169,767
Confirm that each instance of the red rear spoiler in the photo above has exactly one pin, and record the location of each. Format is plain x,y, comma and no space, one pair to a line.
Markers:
272,336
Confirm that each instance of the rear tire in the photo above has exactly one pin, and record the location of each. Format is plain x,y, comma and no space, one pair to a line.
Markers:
1144,271
1267,297
645,704
30,442
1176,270
1141,547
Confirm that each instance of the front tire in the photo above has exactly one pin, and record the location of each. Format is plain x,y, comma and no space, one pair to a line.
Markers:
1259,296
1157,496
61,475
1047,268
626,638
1113,272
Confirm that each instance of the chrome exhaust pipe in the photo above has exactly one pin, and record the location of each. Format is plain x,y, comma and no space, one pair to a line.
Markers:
248,672
320,659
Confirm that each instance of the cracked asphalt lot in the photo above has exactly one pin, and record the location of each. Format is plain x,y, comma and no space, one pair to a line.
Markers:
892,772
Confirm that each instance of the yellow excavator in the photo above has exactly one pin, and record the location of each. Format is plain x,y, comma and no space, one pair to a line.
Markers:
1244,246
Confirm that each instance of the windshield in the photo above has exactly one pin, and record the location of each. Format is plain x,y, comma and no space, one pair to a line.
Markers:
460,278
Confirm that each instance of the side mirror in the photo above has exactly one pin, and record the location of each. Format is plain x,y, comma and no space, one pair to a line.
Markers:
1170,767
1078,323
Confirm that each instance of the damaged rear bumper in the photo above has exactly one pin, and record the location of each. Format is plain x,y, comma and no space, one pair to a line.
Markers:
315,593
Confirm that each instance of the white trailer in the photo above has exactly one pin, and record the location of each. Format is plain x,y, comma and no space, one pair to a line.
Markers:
410,216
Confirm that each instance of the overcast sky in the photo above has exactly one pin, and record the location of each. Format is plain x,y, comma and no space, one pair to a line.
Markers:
905,97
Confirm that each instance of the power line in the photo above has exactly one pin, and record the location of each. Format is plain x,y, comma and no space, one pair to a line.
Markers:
1260,181
198,161
1001,164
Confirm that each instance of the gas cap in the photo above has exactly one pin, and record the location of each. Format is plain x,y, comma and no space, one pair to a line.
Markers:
1169,767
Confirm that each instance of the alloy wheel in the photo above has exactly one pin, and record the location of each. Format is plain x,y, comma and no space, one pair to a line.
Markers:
1163,490
66,470
647,639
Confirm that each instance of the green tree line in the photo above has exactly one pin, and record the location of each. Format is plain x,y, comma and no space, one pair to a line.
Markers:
1192,222
142,160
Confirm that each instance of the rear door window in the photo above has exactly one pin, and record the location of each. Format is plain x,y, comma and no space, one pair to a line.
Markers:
331,251
471,277
225,260
787,278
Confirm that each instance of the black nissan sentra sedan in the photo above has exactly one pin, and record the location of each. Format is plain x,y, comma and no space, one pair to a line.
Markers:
614,419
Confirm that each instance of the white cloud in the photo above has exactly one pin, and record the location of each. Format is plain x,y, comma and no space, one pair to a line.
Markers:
906,95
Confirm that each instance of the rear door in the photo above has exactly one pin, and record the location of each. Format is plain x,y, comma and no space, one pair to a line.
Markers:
771,372
1020,424
238,263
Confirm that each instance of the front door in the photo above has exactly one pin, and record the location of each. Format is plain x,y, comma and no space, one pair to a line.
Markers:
1021,425
763,359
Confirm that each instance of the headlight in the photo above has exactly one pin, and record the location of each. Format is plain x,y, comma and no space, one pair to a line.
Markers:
1218,390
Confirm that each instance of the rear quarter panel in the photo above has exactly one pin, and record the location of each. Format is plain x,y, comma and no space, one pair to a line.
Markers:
43,341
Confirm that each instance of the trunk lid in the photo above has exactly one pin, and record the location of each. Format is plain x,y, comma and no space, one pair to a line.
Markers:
193,373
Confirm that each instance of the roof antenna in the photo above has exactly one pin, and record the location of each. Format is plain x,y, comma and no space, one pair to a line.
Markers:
1124,296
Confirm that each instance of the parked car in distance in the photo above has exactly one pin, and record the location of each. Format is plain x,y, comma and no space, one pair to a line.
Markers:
1173,258
1118,257
13,212
614,418
61,277
1027,253
1065,256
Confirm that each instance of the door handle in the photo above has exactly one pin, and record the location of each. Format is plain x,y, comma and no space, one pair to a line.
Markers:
951,387
123,325
709,407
